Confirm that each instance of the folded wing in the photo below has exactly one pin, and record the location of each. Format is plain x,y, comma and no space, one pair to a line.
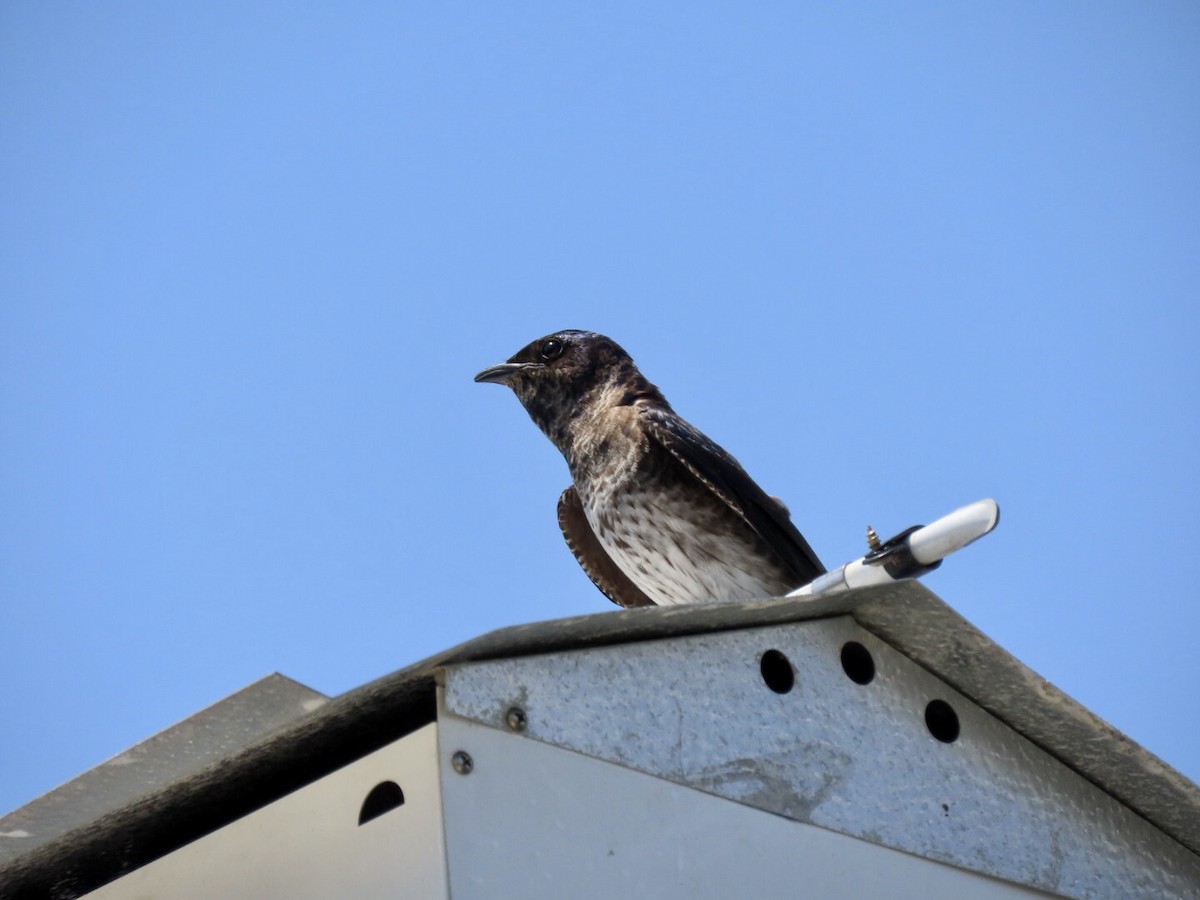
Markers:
724,477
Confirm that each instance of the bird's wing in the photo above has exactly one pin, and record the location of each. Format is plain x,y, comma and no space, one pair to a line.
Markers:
592,557
721,474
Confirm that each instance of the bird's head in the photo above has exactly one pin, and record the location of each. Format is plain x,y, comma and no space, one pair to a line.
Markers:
562,375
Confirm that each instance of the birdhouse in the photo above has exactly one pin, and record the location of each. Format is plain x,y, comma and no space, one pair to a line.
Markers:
869,743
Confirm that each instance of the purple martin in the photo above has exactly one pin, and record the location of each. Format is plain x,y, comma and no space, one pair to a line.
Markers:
658,514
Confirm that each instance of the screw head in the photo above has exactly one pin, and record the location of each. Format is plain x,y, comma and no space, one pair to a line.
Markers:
516,719
462,762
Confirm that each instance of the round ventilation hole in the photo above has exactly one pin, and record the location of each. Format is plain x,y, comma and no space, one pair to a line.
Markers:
942,721
383,798
777,671
857,663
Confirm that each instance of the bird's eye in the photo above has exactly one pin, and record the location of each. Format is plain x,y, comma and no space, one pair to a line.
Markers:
551,349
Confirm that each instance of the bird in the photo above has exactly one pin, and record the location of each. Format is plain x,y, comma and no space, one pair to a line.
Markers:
657,513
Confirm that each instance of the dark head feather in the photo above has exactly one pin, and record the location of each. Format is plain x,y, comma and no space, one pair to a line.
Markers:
560,376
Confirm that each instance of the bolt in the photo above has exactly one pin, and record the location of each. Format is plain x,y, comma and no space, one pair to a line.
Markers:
516,719
462,762
872,539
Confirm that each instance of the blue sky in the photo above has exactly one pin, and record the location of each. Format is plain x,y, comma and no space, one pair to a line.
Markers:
894,258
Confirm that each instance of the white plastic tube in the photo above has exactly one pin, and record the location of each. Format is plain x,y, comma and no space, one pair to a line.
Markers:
953,532
927,545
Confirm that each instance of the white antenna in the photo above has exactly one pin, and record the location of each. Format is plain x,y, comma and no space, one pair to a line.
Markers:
911,553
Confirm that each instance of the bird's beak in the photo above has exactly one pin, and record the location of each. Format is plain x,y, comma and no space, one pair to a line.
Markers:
502,373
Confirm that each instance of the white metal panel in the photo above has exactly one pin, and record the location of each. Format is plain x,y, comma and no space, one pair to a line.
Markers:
309,845
534,821
854,758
